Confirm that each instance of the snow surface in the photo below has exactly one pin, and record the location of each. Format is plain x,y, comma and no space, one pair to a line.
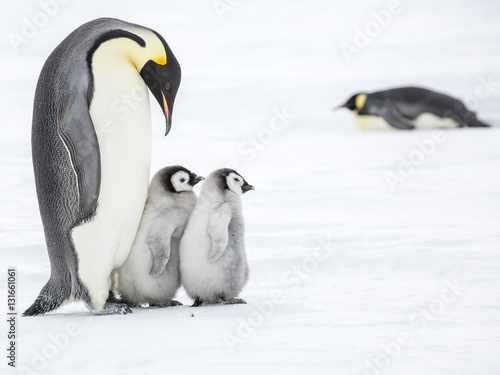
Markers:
348,276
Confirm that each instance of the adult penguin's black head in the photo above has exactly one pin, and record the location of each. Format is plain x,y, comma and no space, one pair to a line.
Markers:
150,55
162,75
353,102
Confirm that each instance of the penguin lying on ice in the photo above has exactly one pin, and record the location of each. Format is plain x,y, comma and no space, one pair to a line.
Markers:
213,261
408,108
151,272
91,143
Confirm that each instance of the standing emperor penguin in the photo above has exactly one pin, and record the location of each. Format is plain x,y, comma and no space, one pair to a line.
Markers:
408,108
213,261
151,272
91,146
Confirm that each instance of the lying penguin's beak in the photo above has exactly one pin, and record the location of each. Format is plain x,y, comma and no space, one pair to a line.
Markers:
163,81
246,188
339,106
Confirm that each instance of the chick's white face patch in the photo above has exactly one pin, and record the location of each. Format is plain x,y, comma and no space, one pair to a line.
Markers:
180,181
235,182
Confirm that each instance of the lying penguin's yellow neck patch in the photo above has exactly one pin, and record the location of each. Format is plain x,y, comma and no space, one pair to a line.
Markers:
360,101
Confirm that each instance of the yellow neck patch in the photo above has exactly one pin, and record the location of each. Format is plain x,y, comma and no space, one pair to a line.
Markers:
161,60
154,50
360,101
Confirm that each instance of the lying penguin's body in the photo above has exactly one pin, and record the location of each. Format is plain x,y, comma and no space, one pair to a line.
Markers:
408,108
150,275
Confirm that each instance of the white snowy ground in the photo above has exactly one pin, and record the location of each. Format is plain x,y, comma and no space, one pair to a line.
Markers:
348,276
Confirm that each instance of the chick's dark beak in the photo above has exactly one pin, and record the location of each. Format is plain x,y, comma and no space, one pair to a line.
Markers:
246,188
194,179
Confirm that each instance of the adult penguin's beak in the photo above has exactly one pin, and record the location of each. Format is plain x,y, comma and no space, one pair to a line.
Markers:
339,106
163,80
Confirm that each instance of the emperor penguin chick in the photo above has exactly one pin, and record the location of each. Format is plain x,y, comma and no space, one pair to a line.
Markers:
150,274
213,261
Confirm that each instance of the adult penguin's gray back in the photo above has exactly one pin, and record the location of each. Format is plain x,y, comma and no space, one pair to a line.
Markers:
408,108
91,152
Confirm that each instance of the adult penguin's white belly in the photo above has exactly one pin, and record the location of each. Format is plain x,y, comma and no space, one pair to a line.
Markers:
121,115
368,122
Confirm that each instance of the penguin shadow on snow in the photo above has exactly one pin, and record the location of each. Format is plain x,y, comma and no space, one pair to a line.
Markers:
409,108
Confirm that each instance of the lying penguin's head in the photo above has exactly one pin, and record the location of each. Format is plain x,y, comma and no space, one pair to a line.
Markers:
355,102
176,179
232,181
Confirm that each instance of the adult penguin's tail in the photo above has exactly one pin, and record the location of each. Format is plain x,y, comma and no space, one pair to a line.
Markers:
479,124
52,295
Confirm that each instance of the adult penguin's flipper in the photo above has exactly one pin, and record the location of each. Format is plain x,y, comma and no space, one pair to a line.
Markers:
390,114
78,134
